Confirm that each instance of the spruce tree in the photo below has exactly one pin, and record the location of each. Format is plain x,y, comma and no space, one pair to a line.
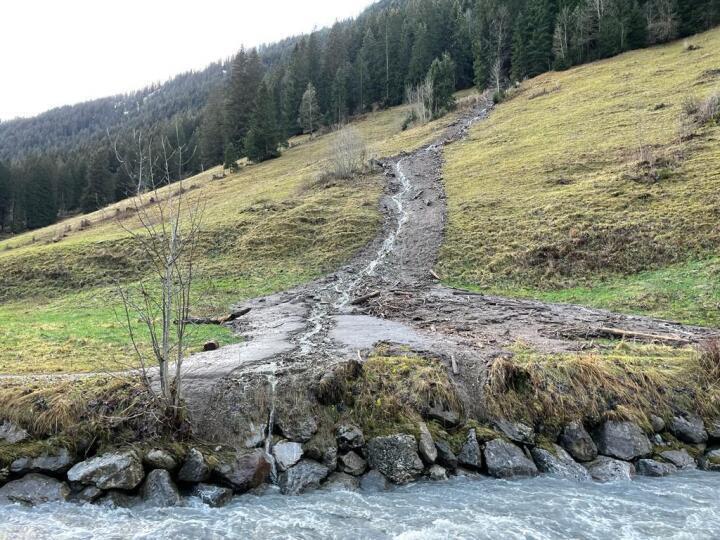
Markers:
5,195
40,200
442,75
246,74
212,140
265,136
98,188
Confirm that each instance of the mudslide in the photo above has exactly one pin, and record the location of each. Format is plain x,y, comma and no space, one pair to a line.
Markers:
387,293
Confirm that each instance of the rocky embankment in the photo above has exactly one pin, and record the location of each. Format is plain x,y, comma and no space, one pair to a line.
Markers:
611,451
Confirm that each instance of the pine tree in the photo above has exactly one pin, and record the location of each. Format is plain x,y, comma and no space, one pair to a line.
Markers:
5,195
309,110
265,136
519,54
246,74
98,189
421,56
40,200
212,140
442,75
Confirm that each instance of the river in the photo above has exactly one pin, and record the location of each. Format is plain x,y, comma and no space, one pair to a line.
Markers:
685,506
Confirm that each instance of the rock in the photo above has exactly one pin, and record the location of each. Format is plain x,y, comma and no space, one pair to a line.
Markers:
657,423
34,489
650,467
213,496
300,429
622,440
470,455
304,476
445,456
287,454
4,473
437,473
246,472
114,470
342,481
505,460
159,489
55,462
118,499
578,442
12,434
559,464
160,459
211,346
395,457
689,429
426,445
255,435
322,448
680,458
607,469
352,464
349,437
710,461
373,481
448,418
516,431
713,430
194,468
89,494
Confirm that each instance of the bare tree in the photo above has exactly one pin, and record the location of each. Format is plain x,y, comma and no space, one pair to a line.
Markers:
421,100
168,238
662,21
348,153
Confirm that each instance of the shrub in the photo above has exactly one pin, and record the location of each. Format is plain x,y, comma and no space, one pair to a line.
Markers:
348,153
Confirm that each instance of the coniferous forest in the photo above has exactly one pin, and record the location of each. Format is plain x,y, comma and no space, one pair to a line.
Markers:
65,161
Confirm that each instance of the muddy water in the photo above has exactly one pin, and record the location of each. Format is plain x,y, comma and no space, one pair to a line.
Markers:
683,507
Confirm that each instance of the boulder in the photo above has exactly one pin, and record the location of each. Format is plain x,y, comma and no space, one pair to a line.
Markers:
194,468
447,417
426,445
88,494
713,430
470,455
349,437
114,470
395,457
299,429
657,423
437,473
287,454
213,496
55,462
255,435
118,499
607,469
559,463
245,472
351,463
578,442
373,481
505,460
445,456
34,489
157,458
4,474
322,449
342,481
710,461
650,467
680,458
516,431
159,489
689,428
12,434
304,476
622,440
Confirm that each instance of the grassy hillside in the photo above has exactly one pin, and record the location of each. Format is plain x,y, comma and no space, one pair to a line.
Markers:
269,227
580,188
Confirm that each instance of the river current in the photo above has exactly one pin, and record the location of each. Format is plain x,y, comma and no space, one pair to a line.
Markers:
685,506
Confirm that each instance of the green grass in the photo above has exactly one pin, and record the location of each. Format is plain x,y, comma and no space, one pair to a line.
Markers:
268,227
549,197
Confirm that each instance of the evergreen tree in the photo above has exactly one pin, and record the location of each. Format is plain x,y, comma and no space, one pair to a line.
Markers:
40,201
519,54
212,140
98,189
5,195
442,75
421,56
265,136
309,110
246,74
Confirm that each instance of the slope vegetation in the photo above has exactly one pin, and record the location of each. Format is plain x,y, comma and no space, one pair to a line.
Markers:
269,227
584,186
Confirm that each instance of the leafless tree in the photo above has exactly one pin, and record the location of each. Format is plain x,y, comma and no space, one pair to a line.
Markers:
662,21
168,238
420,99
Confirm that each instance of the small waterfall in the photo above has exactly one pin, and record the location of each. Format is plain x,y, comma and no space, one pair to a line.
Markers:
272,379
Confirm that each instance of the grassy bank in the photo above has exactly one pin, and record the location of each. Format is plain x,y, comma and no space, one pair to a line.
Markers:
580,188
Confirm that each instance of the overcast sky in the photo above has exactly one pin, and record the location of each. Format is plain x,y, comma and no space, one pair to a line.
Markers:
58,52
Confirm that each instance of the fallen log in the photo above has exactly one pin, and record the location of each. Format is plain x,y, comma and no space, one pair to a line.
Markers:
217,320
362,299
642,336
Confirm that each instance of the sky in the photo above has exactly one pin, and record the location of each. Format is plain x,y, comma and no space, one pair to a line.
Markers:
60,52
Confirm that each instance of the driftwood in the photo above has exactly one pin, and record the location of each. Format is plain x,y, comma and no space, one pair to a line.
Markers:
434,274
642,336
218,320
365,298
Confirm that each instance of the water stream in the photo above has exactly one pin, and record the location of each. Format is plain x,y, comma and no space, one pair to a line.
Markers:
681,507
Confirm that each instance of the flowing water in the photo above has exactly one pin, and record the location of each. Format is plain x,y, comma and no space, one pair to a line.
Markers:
685,506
